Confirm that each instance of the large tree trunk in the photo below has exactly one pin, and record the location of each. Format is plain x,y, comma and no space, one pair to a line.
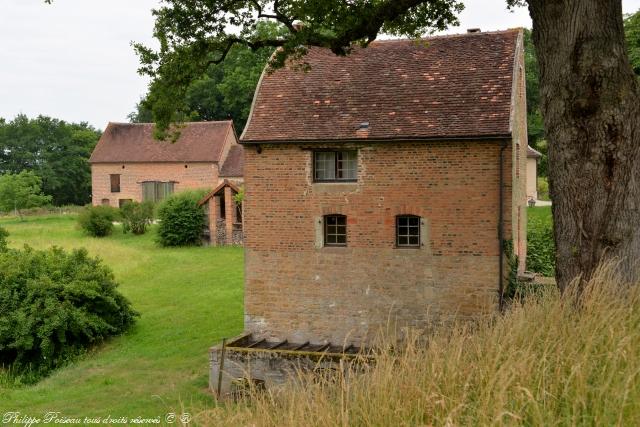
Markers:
591,107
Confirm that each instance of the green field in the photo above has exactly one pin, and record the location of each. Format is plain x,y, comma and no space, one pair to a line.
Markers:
189,299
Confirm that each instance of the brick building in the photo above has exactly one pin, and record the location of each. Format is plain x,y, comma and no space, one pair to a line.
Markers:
382,186
129,164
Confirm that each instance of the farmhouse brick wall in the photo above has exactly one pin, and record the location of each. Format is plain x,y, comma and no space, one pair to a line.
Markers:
186,175
298,291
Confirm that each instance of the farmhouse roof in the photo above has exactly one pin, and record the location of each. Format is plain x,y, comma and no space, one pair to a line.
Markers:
134,142
233,165
532,153
457,86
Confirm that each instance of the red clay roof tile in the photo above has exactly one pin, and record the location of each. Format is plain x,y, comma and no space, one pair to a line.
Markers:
233,165
134,142
449,86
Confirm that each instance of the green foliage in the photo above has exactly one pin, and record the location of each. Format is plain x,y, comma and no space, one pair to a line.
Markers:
193,35
56,151
223,90
543,188
632,36
174,288
97,221
542,147
511,286
181,219
540,242
136,217
239,199
3,239
21,191
54,305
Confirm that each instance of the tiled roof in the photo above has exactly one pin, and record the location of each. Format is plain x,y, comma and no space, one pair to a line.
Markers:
233,165
134,142
448,86
533,153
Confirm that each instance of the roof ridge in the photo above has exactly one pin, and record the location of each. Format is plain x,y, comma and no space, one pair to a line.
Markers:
448,36
184,123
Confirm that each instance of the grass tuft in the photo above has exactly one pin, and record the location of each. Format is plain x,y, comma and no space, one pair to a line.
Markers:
552,360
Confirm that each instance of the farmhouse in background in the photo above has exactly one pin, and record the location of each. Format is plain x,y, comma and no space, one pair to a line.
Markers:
382,187
533,156
129,164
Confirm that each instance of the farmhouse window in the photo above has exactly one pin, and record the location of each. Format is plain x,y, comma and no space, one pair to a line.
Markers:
335,166
115,183
335,230
408,231
156,191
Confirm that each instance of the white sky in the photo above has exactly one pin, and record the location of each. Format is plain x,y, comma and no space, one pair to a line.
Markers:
72,60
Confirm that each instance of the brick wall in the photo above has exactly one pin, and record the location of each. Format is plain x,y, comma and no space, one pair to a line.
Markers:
186,175
296,290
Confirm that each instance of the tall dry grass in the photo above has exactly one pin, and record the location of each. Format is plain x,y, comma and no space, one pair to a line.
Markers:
548,361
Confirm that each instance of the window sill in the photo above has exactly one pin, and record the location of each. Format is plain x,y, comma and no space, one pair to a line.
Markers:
335,187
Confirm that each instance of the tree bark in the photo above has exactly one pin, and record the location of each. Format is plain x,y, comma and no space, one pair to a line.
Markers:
590,102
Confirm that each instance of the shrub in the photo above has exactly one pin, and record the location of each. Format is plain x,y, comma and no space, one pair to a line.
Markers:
97,221
540,243
181,219
543,188
136,217
54,305
3,239
548,361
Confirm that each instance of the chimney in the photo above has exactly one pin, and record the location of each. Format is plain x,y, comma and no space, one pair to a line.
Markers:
474,30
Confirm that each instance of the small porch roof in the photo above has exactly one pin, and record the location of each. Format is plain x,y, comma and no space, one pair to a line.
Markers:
219,189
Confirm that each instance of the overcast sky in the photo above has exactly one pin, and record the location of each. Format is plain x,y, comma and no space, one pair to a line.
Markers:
73,59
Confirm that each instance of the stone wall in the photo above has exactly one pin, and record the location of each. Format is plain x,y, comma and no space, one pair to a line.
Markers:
297,289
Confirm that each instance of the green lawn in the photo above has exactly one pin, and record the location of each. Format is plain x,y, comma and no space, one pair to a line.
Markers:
539,213
189,299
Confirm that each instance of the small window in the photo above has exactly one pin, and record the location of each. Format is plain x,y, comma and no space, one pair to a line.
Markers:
115,183
105,202
408,231
335,166
335,230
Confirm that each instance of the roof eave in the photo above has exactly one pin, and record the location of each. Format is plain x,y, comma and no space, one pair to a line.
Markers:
379,140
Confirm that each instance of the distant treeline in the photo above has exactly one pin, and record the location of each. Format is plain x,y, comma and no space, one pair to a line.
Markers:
57,151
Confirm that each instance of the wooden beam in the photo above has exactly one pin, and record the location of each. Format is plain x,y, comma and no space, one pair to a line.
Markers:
276,345
298,347
256,343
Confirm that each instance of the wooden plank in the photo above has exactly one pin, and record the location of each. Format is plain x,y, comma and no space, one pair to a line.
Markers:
276,345
298,347
256,343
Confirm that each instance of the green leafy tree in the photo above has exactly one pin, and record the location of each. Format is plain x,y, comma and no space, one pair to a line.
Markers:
632,35
21,191
56,151
223,91
589,95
